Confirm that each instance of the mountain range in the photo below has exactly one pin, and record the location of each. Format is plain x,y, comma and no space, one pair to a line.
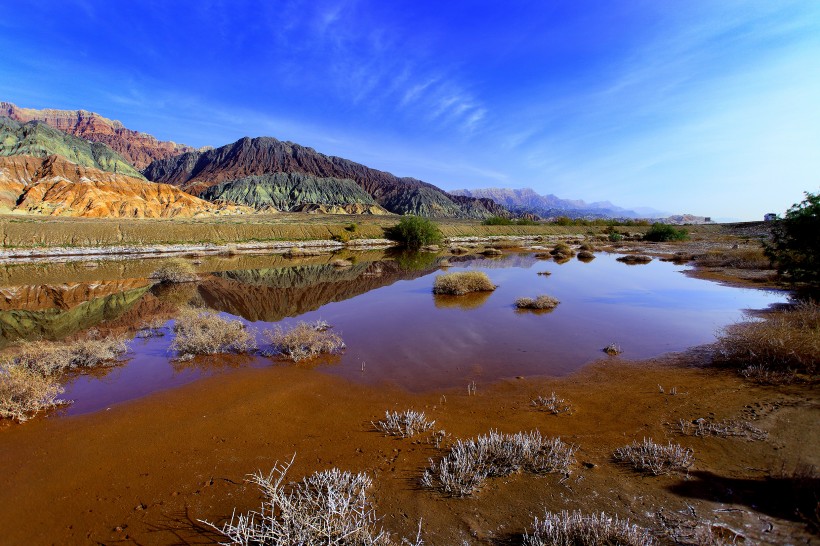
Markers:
125,173
526,200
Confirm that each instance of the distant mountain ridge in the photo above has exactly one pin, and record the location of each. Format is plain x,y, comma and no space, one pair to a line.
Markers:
139,149
195,172
526,200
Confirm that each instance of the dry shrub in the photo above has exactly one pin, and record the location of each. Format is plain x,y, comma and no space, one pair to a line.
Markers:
327,508
632,259
722,429
647,456
589,247
405,424
176,270
470,462
24,392
744,258
461,283
491,252
341,263
586,256
49,358
459,250
575,529
151,328
562,251
203,332
552,404
303,341
785,342
539,303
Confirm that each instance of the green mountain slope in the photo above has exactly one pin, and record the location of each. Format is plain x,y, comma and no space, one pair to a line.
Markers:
285,191
37,139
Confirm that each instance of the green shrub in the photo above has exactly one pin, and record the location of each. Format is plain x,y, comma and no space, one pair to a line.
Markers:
525,222
497,221
795,245
665,232
414,232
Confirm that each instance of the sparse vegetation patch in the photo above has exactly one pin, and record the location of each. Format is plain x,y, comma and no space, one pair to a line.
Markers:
405,424
50,358
327,508
647,456
24,392
203,332
176,270
470,462
304,341
723,429
464,282
782,344
552,404
575,529
632,259
539,303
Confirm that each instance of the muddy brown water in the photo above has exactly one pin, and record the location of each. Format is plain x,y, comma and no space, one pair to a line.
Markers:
152,446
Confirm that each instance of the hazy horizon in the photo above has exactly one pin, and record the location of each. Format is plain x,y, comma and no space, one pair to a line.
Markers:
703,108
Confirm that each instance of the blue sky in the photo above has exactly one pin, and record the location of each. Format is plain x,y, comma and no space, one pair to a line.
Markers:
704,107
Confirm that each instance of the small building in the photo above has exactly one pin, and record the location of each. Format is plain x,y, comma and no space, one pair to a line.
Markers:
770,217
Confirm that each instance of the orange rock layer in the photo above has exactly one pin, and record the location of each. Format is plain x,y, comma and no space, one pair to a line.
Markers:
53,186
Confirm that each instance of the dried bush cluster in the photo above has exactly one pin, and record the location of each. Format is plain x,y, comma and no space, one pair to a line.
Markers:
176,270
327,508
723,429
538,303
24,392
464,282
49,358
773,349
405,424
303,341
562,252
738,258
575,529
470,462
647,456
632,259
204,332
28,380
552,404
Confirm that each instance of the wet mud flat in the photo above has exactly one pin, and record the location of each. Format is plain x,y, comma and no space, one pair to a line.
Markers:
146,471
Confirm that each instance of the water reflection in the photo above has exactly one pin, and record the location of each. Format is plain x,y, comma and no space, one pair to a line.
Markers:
384,309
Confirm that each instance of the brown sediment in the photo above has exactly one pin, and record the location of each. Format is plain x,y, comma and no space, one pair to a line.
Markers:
145,471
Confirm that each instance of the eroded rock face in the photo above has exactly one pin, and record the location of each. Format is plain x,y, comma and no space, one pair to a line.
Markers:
139,149
195,172
53,186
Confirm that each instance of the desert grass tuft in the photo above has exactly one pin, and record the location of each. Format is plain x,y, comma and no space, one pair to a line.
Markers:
470,462
774,348
552,404
722,429
176,270
575,529
50,358
303,341
586,256
203,332
657,459
405,424
464,282
539,303
24,392
327,508
738,258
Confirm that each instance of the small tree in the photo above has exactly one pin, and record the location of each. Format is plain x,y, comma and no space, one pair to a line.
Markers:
414,232
795,244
